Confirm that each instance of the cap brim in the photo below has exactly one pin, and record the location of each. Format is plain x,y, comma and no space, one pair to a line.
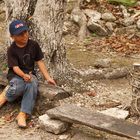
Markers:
20,30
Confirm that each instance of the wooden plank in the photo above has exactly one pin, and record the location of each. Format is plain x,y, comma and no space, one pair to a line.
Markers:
75,114
49,91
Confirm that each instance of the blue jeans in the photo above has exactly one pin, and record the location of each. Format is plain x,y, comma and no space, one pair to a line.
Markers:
28,91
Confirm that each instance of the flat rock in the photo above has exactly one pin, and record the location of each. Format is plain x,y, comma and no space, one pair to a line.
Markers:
53,126
128,21
53,92
74,114
96,28
108,17
94,15
110,26
117,73
116,112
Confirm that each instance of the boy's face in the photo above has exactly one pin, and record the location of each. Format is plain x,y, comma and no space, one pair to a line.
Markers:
21,38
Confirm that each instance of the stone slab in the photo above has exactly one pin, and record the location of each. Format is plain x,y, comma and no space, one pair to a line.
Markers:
53,126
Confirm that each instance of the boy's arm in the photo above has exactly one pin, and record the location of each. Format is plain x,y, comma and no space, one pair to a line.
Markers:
44,71
13,63
20,73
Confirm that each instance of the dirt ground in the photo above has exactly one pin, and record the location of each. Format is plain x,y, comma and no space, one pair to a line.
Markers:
109,92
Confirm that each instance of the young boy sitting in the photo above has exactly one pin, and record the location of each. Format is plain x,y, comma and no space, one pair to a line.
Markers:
22,55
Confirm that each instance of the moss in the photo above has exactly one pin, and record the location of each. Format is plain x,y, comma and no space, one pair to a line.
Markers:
124,2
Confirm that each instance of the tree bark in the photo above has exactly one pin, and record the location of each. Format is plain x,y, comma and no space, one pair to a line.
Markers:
45,20
135,82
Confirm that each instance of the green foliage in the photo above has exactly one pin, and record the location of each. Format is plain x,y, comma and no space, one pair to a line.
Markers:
124,2
87,41
3,67
94,34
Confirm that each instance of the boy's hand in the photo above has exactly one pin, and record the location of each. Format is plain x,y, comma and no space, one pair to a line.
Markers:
27,78
51,81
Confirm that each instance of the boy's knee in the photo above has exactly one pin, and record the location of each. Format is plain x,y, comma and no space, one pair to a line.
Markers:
32,84
15,88
11,93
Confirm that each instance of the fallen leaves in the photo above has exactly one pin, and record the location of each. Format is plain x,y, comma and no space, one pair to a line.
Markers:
10,116
91,93
109,104
118,43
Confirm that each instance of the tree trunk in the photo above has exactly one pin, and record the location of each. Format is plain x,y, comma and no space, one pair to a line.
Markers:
135,81
45,20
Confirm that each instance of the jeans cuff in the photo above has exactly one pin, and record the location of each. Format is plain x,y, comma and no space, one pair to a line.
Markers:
26,111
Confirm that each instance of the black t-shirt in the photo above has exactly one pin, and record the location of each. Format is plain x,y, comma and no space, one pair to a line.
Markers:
23,57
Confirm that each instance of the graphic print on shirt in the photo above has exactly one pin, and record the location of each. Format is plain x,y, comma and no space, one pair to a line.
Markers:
27,61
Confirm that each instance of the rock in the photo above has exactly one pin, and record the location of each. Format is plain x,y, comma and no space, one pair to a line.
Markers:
138,34
64,137
138,3
67,27
70,5
96,28
108,17
78,16
105,73
117,73
128,21
92,74
138,24
123,30
110,26
116,112
53,126
75,16
102,63
94,15
124,11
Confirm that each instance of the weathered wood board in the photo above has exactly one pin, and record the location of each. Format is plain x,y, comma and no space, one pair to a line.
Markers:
49,91
75,114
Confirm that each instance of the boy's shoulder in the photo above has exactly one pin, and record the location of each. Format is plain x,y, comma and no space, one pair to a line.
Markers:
11,46
33,42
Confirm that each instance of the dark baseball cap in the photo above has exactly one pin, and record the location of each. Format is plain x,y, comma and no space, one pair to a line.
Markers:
17,26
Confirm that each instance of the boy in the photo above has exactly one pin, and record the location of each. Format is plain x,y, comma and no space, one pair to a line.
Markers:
22,55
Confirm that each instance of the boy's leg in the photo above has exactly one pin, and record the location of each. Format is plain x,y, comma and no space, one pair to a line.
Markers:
29,96
16,89
28,100
3,96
